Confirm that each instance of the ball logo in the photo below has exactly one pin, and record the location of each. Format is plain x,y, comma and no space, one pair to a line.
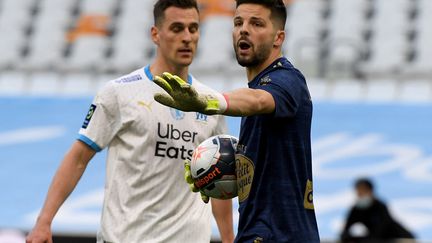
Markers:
203,181
245,172
198,152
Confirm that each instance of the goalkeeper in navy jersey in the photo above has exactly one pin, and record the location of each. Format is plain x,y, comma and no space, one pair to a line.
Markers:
273,161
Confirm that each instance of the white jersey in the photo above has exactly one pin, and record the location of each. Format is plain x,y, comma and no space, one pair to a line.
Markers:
146,197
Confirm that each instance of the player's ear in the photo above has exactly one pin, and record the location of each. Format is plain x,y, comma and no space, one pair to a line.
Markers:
279,38
155,35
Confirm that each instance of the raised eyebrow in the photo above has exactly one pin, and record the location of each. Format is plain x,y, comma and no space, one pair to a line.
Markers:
257,19
194,24
177,24
237,18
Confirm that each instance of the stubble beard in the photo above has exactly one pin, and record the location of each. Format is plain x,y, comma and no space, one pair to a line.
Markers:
259,56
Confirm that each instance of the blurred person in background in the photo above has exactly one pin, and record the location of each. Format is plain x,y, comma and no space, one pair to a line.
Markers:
372,219
146,198
273,157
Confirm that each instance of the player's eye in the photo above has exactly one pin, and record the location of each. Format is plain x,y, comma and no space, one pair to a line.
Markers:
238,23
193,29
257,24
177,28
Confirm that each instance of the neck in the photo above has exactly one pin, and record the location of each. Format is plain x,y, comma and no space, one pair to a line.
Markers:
253,71
160,66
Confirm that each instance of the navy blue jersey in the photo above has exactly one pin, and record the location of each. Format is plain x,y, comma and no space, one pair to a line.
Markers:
274,173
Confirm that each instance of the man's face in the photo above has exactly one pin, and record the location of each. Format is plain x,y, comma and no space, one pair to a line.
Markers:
177,36
363,191
253,34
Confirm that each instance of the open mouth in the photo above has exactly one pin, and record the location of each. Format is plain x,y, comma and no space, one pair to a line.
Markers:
244,45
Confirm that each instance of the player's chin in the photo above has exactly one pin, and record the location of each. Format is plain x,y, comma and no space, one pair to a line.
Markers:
185,61
243,61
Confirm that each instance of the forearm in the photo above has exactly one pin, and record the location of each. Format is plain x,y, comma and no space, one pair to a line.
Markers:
247,102
222,212
67,176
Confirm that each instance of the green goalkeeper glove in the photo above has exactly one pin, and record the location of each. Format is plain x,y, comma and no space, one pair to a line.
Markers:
191,182
183,96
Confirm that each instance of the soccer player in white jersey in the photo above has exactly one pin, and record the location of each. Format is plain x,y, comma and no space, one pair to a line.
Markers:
146,198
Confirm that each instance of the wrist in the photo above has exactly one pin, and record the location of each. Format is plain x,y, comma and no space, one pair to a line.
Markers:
223,103
225,95
227,238
43,220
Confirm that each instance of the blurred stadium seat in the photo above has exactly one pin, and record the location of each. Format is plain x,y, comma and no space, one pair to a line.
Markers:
389,44
325,38
305,28
346,43
421,66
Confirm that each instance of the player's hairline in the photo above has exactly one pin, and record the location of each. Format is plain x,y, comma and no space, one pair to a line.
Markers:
161,6
279,20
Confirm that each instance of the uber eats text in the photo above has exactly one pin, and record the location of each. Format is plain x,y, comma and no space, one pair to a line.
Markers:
167,133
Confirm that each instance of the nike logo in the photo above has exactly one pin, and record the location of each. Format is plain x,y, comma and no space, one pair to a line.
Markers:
146,105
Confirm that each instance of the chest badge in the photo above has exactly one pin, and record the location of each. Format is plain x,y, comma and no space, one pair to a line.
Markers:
177,114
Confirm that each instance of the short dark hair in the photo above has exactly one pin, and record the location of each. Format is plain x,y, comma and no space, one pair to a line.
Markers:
161,5
364,182
278,11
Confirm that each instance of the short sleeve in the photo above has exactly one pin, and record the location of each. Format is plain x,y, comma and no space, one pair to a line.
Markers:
288,90
103,119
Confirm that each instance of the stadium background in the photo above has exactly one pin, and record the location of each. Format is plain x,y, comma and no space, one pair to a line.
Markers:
368,65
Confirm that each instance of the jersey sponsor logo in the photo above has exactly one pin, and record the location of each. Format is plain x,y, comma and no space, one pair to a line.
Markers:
168,133
89,116
200,117
129,79
147,105
177,114
265,80
308,196
245,172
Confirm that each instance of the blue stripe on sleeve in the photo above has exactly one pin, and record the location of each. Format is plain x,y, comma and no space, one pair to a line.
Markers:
89,142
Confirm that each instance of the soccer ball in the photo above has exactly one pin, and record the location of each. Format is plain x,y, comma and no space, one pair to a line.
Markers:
213,167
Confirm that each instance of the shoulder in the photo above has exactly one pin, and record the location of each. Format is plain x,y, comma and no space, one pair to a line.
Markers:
284,71
134,77
115,87
379,202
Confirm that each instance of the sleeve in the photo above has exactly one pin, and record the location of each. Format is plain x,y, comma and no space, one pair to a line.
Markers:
102,121
288,90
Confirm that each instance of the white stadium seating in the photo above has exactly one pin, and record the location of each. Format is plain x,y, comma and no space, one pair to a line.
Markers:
326,39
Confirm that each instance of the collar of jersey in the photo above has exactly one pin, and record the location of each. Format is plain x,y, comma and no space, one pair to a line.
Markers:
150,75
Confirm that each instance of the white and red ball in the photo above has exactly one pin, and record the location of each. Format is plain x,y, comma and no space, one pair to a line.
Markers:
213,167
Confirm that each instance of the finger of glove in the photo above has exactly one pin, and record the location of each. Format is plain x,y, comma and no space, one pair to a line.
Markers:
193,188
187,174
205,198
162,82
165,99
174,81
189,90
